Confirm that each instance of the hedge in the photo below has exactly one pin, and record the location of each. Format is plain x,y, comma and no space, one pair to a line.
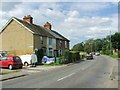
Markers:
71,56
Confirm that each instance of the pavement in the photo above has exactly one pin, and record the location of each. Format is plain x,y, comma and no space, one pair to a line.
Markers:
114,76
26,71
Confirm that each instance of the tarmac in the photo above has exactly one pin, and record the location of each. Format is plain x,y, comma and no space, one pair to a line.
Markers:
29,70
26,71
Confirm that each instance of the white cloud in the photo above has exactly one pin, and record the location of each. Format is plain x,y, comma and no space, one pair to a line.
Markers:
90,6
70,23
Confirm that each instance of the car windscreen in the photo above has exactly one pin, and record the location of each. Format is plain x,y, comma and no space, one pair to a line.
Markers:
17,59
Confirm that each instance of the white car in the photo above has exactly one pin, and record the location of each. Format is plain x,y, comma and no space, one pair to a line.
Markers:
97,53
26,59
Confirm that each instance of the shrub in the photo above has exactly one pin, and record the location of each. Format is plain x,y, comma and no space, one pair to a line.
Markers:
67,56
107,52
40,55
71,56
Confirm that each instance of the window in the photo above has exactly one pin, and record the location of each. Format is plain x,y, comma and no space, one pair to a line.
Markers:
50,52
17,59
41,39
5,58
50,41
65,44
60,44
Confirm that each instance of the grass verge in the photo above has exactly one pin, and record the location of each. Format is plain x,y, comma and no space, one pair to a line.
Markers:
2,72
53,64
114,56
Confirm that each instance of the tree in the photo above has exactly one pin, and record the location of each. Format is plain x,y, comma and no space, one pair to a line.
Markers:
78,47
98,44
115,39
89,45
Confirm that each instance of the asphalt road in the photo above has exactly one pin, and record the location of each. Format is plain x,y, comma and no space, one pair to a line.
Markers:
85,74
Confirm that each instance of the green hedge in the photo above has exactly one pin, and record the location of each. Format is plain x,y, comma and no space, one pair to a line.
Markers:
71,56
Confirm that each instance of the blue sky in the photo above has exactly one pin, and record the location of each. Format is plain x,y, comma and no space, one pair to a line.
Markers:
78,21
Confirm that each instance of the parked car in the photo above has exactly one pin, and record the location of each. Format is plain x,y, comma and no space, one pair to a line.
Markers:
89,57
11,62
97,53
26,59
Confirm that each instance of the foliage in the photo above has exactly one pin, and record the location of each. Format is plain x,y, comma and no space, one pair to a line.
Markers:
40,55
103,45
107,52
78,47
115,39
71,56
114,56
92,45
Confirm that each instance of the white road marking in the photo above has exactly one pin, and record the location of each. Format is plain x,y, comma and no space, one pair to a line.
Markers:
65,77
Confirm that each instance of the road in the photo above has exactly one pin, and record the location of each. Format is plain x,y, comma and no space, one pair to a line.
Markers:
85,74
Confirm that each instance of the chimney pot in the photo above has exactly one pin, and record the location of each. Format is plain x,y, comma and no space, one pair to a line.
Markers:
48,25
28,19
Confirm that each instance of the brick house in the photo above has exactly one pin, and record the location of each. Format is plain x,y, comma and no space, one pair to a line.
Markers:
19,37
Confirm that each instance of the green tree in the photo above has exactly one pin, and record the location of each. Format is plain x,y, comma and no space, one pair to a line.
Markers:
89,46
78,47
115,39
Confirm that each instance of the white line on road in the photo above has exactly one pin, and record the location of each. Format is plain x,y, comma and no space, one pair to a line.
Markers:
65,77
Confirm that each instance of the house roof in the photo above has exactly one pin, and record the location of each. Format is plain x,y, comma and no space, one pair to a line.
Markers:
37,29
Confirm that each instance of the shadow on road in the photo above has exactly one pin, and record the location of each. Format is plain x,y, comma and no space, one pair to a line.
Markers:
78,61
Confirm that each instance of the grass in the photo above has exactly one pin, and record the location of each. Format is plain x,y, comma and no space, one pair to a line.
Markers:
53,64
114,56
2,72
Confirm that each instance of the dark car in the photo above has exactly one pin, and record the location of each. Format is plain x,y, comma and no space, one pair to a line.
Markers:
11,62
89,57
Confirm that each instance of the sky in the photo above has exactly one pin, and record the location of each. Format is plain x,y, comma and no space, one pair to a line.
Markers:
77,21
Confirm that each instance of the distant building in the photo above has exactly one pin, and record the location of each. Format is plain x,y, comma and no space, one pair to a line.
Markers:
19,37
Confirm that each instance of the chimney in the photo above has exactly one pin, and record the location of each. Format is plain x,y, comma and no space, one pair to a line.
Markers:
48,25
28,19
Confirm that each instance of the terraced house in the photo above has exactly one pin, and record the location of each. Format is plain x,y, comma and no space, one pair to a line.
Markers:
20,37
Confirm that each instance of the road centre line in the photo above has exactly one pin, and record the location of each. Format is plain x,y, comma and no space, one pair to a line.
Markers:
65,76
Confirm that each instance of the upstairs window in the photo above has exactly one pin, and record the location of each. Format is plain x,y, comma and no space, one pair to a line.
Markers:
50,41
65,44
60,44
41,39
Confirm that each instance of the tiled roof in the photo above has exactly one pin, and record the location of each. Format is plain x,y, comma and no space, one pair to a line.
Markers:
60,35
36,29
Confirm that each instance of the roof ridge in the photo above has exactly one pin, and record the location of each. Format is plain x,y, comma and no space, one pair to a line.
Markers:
36,29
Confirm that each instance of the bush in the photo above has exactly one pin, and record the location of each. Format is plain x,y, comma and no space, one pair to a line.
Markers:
107,52
82,56
67,56
71,56
40,55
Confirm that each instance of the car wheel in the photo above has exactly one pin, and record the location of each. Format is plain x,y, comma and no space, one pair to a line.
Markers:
20,67
10,67
25,64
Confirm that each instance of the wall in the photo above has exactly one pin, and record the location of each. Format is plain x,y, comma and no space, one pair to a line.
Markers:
0,42
16,39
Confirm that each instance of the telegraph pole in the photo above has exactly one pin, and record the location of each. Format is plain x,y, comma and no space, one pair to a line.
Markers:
110,45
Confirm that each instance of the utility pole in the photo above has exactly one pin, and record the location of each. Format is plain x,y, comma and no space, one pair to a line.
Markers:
110,45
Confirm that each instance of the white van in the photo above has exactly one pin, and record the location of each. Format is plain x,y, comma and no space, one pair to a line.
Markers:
26,59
